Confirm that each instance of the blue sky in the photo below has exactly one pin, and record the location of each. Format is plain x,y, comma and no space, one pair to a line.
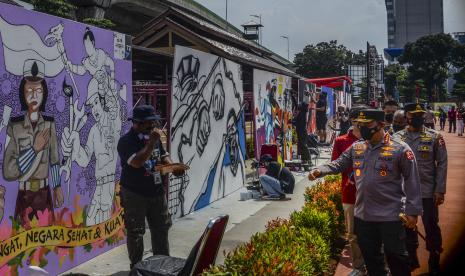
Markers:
350,22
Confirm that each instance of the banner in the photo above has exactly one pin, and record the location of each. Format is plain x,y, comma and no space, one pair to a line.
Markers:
207,129
64,94
273,112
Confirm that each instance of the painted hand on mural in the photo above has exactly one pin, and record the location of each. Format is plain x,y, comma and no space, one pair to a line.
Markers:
41,140
203,131
2,202
58,198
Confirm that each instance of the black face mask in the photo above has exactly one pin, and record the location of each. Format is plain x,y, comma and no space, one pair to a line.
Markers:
389,117
397,128
417,122
367,133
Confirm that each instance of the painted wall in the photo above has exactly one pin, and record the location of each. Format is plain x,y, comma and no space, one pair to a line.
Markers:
64,88
273,112
207,128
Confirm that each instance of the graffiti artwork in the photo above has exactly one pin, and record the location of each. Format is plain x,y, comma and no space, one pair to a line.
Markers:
273,112
63,104
207,126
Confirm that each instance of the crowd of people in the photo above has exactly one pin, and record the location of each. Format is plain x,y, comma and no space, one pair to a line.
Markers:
394,169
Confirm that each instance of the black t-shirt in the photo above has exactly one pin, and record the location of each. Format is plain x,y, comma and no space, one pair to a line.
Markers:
139,180
321,103
283,174
300,120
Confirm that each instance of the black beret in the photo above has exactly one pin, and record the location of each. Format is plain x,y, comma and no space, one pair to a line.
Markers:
415,108
368,115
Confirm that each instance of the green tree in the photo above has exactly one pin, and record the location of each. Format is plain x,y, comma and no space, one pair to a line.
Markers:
391,74
459,62
362,96
326,59
428,60
59,8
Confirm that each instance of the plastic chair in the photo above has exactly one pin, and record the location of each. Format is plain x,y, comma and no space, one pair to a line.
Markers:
202,255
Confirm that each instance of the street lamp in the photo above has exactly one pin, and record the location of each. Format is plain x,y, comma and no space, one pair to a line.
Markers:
259,16
226,10
286,37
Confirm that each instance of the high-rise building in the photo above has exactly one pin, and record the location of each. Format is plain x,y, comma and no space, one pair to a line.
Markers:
408,20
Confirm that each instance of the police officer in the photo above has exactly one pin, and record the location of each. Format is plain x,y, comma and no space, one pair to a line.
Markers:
431,154
385,172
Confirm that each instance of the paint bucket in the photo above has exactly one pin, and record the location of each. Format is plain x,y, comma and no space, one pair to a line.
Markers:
244,196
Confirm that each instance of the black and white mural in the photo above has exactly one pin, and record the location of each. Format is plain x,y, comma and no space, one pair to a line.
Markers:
207,126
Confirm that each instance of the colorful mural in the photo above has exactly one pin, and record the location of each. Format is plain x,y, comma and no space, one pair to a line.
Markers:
64,88
273,112
207,127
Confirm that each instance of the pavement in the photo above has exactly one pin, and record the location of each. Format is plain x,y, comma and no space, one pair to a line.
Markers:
245,219
451,217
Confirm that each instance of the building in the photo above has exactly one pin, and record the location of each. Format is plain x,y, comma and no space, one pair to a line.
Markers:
408,20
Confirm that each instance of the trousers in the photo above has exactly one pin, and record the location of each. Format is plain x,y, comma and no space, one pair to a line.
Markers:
373,236
271,186
137,208
357,258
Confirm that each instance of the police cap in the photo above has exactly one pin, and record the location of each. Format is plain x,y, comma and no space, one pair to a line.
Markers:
368,115
415,108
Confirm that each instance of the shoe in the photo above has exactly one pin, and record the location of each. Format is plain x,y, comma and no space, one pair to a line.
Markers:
433,265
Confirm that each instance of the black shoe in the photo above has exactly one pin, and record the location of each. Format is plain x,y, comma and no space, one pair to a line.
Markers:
433,265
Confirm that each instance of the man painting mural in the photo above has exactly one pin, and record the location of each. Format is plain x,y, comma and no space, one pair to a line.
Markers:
31,154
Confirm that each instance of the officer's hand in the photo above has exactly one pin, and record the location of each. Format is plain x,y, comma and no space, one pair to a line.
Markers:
314,174
41,140
438,198
178,172
58,197
411,221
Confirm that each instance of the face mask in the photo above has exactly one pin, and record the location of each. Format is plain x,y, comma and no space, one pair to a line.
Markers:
367,133
345,118
397,128
417,122
389,117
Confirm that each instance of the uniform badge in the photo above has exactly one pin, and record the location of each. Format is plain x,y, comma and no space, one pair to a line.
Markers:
359,152
383,173
386,153
424,148
409,155
387,148
358,172
357,163
425,155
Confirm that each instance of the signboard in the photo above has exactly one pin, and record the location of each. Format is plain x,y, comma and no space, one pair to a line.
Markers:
63,106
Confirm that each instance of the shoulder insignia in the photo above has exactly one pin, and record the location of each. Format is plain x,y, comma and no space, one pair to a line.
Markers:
48,118
409,155
17,119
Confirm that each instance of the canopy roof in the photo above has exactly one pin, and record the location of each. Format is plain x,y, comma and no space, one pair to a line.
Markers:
332,82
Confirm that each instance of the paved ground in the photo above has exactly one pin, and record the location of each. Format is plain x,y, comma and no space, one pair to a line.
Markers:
246,218
451,217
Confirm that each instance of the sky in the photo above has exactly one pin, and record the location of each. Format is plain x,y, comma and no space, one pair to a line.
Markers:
350,22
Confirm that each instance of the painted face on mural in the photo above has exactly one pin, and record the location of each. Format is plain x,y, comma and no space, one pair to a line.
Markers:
97,109
34,95
89,45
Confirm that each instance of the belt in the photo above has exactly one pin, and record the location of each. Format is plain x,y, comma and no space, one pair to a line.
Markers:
105,179
33,185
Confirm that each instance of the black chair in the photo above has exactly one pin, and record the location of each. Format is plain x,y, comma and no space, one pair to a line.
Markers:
202,255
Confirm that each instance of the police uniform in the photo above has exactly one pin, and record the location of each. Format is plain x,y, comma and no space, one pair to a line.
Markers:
31,168
384,174
431,154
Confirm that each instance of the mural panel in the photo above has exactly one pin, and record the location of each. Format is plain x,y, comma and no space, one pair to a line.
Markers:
207,128
64,88
273,112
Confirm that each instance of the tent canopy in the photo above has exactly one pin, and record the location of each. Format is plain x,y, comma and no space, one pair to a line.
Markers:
330,82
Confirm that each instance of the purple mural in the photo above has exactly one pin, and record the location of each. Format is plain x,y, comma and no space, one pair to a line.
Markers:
64,94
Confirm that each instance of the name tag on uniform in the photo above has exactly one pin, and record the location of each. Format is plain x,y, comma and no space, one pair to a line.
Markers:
157,178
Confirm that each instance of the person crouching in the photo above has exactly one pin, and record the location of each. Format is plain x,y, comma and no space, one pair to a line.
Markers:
278,180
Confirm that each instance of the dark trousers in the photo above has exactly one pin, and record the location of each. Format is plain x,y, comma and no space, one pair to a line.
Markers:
137,208
373,237
302,149
430,220
442,123
452,125
39,200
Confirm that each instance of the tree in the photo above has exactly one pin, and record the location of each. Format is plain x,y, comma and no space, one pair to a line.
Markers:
326,60
59,8
428,60
391,74
459,62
